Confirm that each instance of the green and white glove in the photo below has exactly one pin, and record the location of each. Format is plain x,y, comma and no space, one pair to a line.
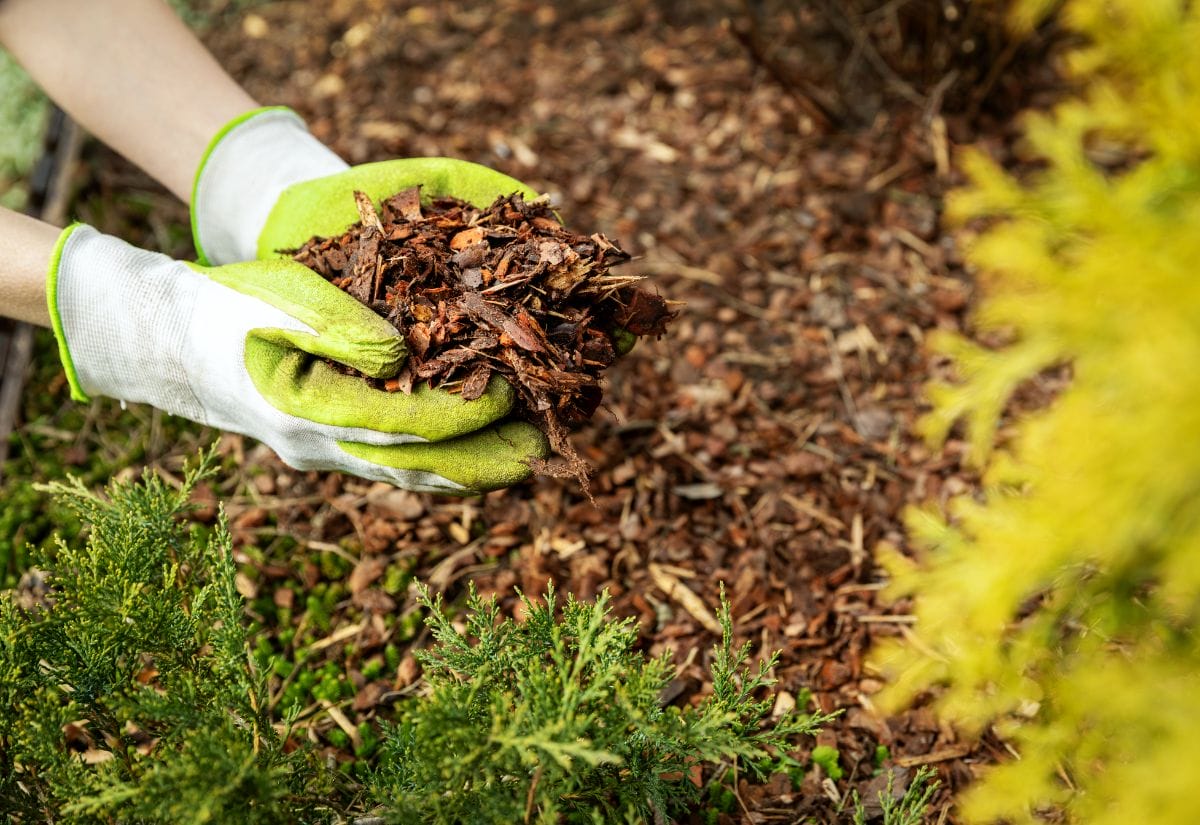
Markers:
242,347
266,184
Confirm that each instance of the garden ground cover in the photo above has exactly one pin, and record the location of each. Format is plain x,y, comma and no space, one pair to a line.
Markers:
766,442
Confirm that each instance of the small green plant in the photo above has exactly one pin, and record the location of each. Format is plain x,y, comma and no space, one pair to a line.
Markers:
908,809
826,758
558,719
882,754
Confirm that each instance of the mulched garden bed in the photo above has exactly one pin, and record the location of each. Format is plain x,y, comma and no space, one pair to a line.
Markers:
766,441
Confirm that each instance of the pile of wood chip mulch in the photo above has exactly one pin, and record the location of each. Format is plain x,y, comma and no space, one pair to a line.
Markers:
504,290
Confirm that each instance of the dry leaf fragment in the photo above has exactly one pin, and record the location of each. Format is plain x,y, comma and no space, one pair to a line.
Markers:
365,572
368,696
374,600
407,671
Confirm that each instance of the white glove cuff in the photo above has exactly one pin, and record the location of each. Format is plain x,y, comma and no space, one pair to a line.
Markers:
245,170
120,314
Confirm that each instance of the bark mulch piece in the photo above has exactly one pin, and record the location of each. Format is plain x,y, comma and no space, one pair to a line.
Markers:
504,291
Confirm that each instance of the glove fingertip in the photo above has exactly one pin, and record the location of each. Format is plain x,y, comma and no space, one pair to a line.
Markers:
379,358
483,461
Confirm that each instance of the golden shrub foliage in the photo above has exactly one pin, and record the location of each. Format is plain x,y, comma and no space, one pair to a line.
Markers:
1066,603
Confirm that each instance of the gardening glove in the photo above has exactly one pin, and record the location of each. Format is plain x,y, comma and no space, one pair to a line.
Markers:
243,347
266,184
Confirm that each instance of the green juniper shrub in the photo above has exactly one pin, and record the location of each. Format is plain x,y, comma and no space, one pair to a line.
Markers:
91,442
128,692
558,719
135,691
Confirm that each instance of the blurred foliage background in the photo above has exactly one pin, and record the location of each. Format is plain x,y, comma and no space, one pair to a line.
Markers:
1065,602
23,113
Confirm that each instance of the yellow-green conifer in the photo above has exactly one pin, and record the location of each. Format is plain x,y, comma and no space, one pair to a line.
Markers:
1064,601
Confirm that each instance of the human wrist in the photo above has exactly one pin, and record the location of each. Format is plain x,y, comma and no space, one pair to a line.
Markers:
26,244
247,166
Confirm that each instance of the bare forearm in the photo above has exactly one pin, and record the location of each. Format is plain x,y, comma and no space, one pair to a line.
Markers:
131,73
26,245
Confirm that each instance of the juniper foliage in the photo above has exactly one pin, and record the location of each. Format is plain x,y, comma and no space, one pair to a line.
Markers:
558,719
131,696
127,690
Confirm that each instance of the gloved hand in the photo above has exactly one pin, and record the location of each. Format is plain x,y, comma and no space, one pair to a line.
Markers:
241,347
266,184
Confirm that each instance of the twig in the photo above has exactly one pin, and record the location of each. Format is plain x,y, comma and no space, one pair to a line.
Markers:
839,373
822,116
335,713
984,89
863,43
537,775
810,509
941,755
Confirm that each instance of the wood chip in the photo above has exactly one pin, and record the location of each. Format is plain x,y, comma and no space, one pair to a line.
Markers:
366,211
677,591
407,203
468,237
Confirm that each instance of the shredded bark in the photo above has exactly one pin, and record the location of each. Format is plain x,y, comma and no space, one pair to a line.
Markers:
505,290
